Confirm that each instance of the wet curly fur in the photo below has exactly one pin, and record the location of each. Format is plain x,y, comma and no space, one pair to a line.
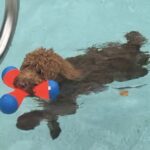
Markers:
43,64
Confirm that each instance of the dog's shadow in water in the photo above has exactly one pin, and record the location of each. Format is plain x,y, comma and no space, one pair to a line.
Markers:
112,62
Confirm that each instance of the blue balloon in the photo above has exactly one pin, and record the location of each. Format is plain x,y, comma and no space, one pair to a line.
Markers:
54,91
8,104
7,69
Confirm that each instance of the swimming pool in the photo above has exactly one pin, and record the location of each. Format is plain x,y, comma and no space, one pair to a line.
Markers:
103,121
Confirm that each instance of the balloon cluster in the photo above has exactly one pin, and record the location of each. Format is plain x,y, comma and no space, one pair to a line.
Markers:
9,103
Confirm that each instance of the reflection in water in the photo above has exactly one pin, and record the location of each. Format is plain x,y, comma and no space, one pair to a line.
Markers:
114,62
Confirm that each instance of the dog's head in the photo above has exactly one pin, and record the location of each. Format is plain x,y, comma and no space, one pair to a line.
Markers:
27,80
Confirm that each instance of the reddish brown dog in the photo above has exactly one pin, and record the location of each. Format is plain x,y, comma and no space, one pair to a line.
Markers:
43,64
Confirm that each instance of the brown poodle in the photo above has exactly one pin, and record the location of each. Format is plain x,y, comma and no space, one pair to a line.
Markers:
43,64
100,66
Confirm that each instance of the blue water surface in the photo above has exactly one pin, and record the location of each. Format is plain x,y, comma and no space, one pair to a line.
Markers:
104,121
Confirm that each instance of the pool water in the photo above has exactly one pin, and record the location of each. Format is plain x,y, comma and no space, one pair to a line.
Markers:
103,121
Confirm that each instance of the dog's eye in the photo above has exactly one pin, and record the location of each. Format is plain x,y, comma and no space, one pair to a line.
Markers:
39,72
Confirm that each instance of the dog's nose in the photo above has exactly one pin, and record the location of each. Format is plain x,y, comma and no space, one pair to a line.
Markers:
22,85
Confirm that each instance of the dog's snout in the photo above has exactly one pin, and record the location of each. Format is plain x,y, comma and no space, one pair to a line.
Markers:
22,85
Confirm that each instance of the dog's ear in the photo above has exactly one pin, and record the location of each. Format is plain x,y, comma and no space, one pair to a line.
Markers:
69,71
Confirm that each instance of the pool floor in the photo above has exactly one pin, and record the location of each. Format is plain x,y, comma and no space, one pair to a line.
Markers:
103,121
